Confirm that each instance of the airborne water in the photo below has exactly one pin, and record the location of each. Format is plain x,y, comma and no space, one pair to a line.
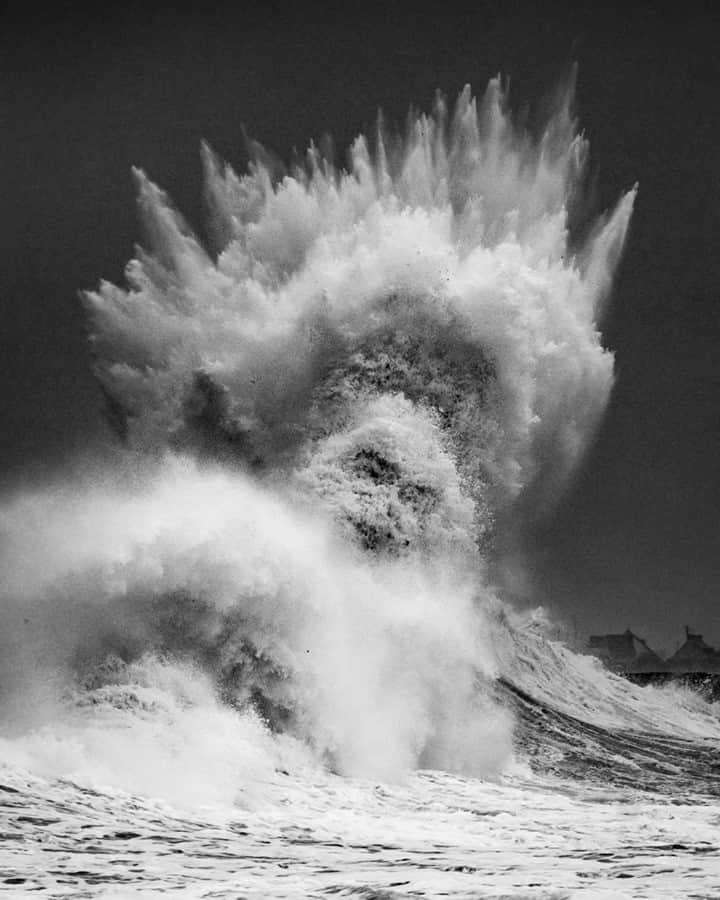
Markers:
261,655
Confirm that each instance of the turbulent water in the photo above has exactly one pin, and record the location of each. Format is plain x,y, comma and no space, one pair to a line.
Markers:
261,652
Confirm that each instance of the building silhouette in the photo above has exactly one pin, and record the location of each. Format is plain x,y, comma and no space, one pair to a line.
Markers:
627,652
694,656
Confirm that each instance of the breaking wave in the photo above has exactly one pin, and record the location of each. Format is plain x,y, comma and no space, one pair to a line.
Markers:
329,421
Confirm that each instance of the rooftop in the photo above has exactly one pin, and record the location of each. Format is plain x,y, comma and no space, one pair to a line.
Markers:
627,652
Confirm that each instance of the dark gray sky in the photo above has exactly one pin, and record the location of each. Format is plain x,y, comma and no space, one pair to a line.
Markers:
85,96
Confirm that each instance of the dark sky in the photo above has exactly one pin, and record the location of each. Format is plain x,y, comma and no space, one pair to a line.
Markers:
86,95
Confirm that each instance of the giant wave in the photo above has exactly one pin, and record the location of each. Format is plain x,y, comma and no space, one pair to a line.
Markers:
330,420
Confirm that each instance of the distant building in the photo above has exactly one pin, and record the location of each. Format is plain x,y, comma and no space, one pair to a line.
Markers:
694,656
629,653
625,652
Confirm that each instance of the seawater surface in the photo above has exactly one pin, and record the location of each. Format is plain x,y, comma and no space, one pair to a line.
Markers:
314,834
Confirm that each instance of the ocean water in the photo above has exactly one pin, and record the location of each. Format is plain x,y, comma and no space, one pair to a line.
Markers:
584,810
267,646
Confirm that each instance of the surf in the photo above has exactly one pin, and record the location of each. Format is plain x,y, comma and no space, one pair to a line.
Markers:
329,416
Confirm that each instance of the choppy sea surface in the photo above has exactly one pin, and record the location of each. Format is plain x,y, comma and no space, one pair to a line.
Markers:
588,812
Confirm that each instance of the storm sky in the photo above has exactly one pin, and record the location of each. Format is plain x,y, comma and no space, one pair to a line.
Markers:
635,541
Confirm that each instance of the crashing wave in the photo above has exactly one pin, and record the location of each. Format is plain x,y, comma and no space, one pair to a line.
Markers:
331,418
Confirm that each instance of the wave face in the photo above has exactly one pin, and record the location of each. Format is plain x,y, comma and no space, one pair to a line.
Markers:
329,422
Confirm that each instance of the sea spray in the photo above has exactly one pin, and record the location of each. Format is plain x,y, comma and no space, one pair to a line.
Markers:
332,420
453,249
374,662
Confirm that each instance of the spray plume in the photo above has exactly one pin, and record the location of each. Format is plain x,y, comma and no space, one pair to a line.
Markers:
333,413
